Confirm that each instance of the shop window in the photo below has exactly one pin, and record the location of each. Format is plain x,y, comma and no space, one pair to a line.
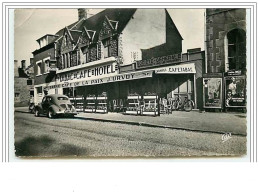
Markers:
235,50
29,82
107,48
183,87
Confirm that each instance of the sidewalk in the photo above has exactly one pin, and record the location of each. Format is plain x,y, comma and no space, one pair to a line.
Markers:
234,123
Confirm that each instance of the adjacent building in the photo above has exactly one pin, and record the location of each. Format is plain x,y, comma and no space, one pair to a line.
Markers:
118,60
225,81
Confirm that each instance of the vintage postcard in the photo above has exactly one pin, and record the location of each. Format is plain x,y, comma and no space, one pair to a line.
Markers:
130,82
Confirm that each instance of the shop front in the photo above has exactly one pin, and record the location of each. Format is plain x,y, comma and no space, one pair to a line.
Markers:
134,92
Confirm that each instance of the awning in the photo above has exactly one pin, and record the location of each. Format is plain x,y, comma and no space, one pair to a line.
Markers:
116,78
176,69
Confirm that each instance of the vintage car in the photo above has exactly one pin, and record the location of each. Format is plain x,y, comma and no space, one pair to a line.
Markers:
55,105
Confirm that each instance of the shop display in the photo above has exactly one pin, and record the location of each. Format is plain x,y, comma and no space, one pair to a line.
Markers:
101,103
150,106
133,105
90,104
235,91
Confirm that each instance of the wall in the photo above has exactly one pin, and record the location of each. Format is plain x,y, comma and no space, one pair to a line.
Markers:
218,23
145,30
21,87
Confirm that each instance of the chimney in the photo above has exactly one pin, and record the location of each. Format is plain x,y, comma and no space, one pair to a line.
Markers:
23,64
16,73
83,13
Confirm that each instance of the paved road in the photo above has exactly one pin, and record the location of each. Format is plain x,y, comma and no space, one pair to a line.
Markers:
40,136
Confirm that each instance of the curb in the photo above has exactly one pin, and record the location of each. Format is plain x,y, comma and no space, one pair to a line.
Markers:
158,126
150,125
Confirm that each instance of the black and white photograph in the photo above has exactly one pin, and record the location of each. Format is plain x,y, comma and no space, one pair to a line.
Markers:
130,83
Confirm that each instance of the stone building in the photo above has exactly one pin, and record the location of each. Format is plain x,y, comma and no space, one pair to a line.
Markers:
226,40
226,58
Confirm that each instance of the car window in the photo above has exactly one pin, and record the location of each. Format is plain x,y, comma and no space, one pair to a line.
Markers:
44,99
62,98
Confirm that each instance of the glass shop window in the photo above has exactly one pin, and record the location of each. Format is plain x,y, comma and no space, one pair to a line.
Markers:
236,41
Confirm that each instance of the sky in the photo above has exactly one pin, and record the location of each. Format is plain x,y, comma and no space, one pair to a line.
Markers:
31,24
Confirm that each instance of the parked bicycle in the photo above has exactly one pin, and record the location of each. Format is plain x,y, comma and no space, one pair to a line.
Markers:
186,105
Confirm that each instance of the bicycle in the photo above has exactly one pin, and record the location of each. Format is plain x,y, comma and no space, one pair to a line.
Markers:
187,105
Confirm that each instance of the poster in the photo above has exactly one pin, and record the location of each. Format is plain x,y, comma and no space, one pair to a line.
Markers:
212,92
235,91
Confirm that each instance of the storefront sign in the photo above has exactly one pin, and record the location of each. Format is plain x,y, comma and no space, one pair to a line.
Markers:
212,92
178,69
116,78
89,73
233,73
170,59
235,90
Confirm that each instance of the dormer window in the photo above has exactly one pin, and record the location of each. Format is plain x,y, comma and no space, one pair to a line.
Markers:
107,48
66,40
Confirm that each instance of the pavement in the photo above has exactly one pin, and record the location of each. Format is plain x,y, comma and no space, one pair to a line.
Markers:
214,122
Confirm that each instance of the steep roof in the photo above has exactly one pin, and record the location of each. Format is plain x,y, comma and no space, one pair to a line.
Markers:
75,35
120,15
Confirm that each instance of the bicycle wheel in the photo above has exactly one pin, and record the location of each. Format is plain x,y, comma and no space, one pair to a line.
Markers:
188,106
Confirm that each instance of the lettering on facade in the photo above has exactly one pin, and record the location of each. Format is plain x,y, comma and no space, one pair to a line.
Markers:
184,68
88,73
123,77
170,59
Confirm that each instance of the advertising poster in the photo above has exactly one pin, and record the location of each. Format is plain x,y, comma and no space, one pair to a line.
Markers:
212,92
235,91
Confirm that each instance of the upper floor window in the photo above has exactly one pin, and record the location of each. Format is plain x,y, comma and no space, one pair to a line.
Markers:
39,68
236,50
107,48
46,66
66,40
29,82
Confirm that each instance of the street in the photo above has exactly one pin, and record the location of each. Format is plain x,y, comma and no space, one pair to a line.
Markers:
43,137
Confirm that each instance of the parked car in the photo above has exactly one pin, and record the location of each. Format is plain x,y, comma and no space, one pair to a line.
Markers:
55,105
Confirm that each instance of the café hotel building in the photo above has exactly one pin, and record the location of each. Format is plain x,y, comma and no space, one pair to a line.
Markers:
118,60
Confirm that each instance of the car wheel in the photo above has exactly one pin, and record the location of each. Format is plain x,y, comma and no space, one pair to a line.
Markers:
50,114
37,113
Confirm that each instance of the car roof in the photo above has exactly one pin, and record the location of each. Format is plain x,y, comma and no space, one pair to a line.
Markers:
56,95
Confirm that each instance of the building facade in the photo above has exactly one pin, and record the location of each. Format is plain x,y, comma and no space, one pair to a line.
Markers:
225,81
117,55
